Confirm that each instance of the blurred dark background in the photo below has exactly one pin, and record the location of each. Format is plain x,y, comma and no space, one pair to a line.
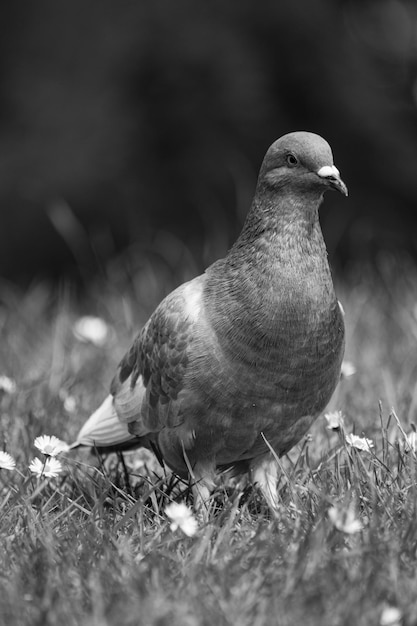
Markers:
132,125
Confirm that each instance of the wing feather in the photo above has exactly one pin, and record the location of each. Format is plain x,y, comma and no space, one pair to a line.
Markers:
150,379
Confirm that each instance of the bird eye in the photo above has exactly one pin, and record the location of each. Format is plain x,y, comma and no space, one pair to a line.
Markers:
292,160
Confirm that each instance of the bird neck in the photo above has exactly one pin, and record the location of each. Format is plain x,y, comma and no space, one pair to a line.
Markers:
276,275
279,231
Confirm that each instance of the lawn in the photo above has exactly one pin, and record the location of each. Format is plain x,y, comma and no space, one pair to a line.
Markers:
94,545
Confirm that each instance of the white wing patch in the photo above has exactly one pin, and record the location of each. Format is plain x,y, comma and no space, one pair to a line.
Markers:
192,297
103,428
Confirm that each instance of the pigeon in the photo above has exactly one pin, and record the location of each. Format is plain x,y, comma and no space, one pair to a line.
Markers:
234,366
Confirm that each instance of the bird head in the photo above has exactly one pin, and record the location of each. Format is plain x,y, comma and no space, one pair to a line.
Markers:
301,161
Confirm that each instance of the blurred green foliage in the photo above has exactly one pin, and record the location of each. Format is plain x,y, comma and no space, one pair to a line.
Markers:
120,121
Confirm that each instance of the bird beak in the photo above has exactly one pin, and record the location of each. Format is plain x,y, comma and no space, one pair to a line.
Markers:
331,174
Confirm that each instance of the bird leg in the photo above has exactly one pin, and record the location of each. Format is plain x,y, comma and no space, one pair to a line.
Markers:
202,485
264,471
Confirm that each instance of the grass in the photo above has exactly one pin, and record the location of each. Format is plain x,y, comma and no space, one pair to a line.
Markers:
94,545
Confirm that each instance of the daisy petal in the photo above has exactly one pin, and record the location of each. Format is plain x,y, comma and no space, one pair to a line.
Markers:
411,442
182,518
348,369
345,520
91,329
360,443
7,385
7,462
391,616
50,445
50,468
334,420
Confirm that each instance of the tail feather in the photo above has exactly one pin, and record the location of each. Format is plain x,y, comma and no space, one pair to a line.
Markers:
103,429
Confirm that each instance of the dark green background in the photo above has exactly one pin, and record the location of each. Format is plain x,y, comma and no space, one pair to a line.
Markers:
119,120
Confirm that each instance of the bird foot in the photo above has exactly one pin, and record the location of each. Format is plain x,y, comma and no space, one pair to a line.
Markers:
265,476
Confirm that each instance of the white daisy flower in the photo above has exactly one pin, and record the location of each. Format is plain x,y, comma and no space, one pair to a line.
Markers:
182,518
7,385
345,520
91,329
50,468
7,462
334,420
68,401
391,616
360,443
348,369
70,404
50,445
410,442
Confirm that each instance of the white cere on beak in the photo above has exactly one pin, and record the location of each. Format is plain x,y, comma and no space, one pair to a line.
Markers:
331,174
328,171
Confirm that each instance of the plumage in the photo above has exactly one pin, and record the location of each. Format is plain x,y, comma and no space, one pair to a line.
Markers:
244,357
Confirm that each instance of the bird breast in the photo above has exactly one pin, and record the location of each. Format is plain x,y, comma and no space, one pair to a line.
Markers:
274,337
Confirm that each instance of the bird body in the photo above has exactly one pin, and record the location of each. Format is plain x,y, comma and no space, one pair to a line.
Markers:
243,358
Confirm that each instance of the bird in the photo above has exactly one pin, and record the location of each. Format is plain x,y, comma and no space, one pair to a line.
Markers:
234,366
